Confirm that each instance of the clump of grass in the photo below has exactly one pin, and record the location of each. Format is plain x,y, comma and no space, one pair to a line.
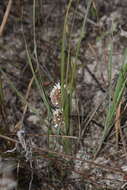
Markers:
113,105
68,70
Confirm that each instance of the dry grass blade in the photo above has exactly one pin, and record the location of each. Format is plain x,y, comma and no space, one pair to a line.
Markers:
8,139
18,126
119,133
40,151
27,95
5,17
117,123
40,87
2,103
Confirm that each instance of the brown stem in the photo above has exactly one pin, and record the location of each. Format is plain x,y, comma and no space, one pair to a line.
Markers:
4,21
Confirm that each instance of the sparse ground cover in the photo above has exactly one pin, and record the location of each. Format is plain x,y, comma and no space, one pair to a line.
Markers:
63,67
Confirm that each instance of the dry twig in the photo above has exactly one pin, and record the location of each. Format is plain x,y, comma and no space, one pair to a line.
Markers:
2,26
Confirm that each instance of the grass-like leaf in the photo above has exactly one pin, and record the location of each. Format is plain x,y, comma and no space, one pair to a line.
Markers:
117,96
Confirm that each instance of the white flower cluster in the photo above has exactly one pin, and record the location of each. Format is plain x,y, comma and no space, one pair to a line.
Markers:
58,118
55,96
